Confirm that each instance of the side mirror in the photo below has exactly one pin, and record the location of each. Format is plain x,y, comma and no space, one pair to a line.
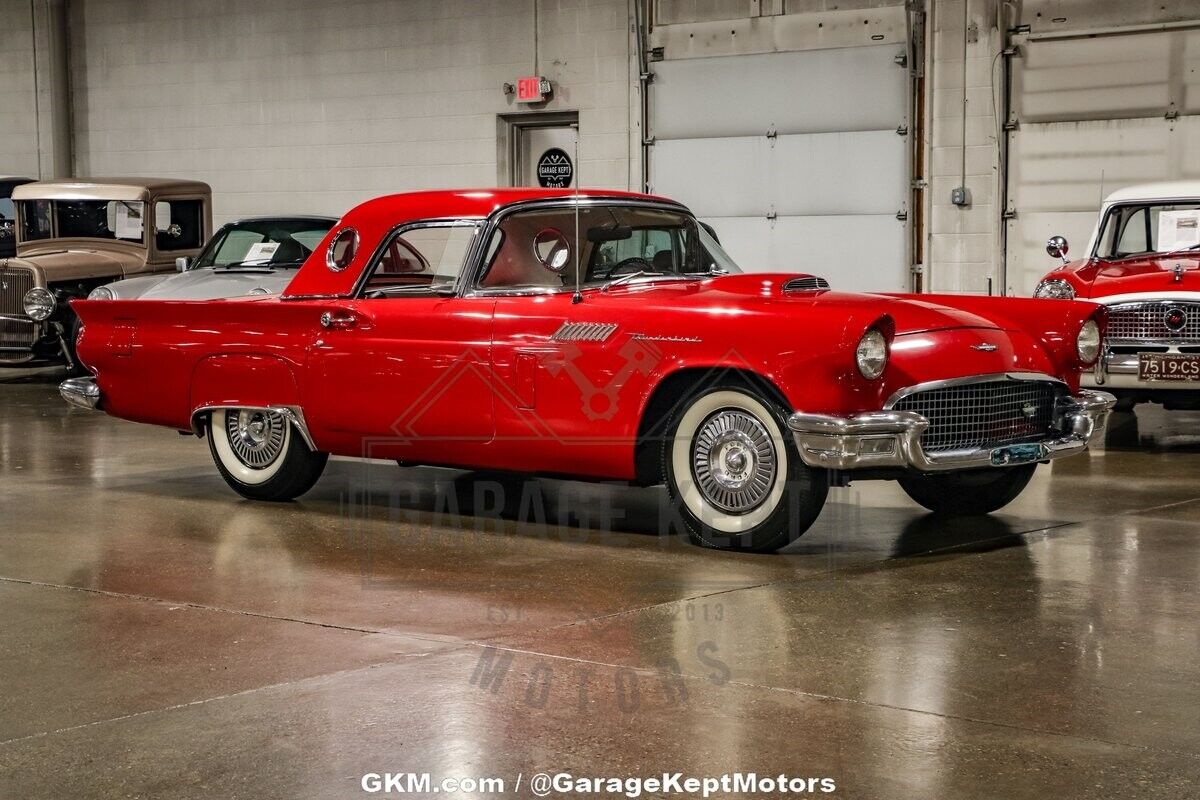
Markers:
1057,247
182,263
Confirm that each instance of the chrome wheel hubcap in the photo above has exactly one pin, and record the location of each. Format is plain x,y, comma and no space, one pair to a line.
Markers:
256,437
733,461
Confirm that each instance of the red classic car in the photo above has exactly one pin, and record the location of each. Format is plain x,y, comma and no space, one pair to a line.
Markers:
1143,263
602,336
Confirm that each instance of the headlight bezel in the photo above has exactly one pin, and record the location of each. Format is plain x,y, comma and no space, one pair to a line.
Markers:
43,301
101,293
1055,289
1089,343
871,354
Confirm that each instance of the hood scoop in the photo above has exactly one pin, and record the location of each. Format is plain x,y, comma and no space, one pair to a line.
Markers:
806,283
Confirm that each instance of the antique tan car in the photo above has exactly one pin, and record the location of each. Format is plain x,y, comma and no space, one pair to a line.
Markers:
73,235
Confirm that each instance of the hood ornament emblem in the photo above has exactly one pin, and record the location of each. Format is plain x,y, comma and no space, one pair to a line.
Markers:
984,347
1178,270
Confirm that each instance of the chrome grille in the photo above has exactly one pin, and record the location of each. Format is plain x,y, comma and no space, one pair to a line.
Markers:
17,332
983,415
1146,322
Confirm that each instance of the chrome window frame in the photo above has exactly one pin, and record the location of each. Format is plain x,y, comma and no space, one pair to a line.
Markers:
492,222
329,263
356,293
1108,213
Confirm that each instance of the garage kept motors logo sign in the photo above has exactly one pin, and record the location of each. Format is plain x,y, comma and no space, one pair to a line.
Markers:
554,169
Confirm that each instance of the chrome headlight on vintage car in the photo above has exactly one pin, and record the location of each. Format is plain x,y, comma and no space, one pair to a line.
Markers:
101,293
1087,343
1055,289
39,304
871,354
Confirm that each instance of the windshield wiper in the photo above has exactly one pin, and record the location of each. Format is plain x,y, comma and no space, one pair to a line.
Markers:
267,265
626,278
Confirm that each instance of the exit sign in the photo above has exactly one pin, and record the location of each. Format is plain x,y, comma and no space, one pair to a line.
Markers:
532,89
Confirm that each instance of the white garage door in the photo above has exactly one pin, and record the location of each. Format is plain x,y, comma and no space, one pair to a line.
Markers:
1094,115
793,157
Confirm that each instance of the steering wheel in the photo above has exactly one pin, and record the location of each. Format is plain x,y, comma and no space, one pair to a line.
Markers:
630,265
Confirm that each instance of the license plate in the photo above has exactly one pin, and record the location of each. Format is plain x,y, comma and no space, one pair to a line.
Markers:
1018,454
1169,367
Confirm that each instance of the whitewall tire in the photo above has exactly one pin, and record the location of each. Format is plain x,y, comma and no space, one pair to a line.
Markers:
733,473
260,455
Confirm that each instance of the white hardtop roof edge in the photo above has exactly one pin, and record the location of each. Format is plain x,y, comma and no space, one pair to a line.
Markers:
1162,190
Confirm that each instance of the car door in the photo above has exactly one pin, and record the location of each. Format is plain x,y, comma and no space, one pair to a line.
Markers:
402,371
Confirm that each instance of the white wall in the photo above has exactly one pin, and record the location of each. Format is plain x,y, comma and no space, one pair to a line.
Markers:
313,106
18,121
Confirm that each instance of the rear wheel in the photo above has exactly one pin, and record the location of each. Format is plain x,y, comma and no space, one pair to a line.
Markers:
969,493
733,473
260,456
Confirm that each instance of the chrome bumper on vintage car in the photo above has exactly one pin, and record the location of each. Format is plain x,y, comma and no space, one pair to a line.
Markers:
82,392
892,438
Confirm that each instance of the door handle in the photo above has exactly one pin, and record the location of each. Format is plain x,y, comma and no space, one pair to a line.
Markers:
339,322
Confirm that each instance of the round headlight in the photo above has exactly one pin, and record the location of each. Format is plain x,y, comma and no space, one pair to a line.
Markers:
1056,289
1087,343
39,303
872,354
101,293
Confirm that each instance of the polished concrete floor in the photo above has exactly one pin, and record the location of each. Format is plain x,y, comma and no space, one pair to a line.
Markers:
163,638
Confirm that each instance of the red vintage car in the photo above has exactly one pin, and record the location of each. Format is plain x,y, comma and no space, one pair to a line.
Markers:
1143,263
602,336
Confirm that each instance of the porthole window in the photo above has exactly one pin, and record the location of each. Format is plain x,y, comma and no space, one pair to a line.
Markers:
341,250
551,249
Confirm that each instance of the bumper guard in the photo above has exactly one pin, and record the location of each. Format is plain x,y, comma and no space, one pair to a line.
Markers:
82,392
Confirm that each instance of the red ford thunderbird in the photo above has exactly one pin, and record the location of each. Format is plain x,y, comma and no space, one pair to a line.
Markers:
602,336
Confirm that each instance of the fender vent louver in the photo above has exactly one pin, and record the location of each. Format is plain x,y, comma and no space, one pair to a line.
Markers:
807,283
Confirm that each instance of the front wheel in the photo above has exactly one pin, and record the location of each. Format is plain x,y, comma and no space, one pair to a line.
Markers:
968,493
734,475
260,456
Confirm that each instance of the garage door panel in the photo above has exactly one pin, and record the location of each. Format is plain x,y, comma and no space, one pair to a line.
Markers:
795,92
819,245
720,177
1107,77
860,172
856,172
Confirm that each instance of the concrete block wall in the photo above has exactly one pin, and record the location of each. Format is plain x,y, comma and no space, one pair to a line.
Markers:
18,108
964,242
310,106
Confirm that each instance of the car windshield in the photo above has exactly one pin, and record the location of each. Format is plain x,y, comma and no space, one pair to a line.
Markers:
1136,229
282,242
121,220
538,249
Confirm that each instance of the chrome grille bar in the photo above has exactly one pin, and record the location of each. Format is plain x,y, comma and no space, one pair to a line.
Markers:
17,331
987,414
1147,321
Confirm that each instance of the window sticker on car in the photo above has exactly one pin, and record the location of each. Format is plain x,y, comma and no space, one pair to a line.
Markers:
260,253
128,221
1178,230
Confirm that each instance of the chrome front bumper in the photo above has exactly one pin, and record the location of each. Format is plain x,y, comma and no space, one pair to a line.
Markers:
82,392
893,438
1120,371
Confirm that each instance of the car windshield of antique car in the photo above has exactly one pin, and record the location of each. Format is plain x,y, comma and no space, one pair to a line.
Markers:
538,249
121,220
1137,229
263,243
8,213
